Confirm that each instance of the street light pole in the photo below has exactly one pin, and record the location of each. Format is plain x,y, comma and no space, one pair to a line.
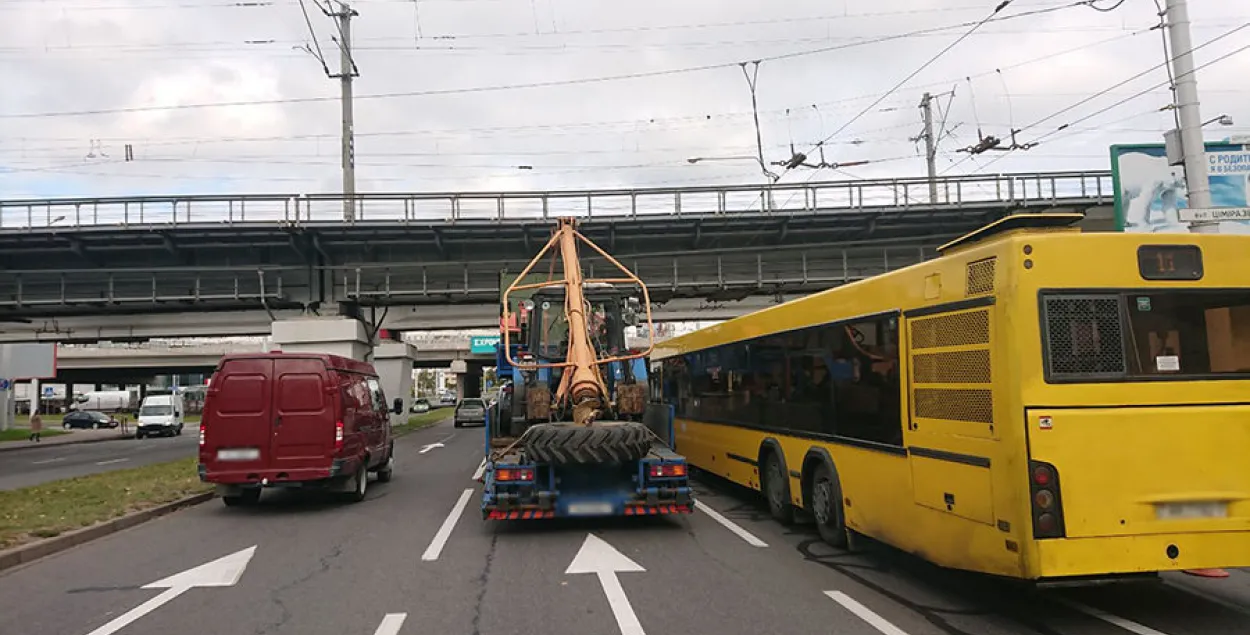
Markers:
1192,147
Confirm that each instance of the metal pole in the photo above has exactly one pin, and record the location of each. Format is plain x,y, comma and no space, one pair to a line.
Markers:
347,71
930,145
1196,179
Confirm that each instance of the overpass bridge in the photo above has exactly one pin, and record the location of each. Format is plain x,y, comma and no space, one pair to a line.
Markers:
81,265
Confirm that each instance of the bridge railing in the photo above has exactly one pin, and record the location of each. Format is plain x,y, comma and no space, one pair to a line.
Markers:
1041,188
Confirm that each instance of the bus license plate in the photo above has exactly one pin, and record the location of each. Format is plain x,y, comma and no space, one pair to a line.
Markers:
590,509
243,454
1176,511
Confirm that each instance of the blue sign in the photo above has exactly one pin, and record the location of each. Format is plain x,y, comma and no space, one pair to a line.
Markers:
479,344
5,384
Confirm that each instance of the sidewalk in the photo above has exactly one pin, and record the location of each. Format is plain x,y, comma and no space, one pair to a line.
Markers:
68,438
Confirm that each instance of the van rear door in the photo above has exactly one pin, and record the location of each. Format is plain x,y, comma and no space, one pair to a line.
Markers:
303,413
240,412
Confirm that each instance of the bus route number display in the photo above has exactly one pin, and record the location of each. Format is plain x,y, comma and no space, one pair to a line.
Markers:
1170,262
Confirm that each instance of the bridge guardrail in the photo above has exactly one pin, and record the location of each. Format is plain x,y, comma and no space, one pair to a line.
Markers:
1038,188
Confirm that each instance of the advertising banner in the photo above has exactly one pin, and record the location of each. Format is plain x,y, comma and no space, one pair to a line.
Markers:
1150,194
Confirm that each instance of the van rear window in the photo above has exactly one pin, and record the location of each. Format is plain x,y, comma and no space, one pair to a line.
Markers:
244,395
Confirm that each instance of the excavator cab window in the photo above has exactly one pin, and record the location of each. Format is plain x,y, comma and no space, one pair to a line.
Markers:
549,327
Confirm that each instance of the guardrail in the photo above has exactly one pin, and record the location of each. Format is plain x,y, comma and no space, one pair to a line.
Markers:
1036,189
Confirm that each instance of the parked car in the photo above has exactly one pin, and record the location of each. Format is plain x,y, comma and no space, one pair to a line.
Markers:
294,420
470,410
421,405
88,419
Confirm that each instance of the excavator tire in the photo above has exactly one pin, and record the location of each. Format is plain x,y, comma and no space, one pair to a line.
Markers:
600,442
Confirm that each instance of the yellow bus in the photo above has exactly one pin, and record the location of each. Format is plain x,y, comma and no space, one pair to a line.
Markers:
1035,402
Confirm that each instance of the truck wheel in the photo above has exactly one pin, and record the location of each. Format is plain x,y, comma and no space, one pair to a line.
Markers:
601,442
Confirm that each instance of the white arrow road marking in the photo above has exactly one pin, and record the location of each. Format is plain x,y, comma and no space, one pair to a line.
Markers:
601,559
391,624
224,571
481,469
731,525
444,532
864,613
112,461
1115,620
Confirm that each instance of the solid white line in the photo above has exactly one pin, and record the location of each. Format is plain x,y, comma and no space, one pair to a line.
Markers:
444,532
1114,620
626,619
481,469
731,525
47,461
864,613
112,461
391,624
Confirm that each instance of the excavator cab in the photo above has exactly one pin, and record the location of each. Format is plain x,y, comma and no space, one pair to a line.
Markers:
549,328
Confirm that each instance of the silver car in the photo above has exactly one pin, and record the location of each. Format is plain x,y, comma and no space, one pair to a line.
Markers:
471,410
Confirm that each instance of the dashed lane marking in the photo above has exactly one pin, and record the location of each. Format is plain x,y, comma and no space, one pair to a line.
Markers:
112,461
1114,620
391,624
864,613
444,532
730,525
47,461
481,469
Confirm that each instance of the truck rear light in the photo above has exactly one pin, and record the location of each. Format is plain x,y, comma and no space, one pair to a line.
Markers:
1045,501
668,470
513,475
338,436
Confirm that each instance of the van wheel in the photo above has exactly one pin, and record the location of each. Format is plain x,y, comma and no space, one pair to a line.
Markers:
361,482
387,470
827,507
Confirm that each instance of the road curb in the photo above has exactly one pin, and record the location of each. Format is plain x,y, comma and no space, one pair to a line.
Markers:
29,553
35,446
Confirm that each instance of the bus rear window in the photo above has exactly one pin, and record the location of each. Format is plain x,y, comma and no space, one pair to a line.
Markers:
1146,335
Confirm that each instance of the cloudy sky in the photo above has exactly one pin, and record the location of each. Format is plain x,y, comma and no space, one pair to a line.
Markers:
544,94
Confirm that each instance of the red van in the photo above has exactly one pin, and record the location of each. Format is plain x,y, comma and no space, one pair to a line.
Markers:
294,420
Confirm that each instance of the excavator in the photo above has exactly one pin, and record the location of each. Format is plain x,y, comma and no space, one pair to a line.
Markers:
572,433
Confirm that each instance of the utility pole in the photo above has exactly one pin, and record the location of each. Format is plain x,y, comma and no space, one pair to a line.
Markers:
930,145
1193,149
347,72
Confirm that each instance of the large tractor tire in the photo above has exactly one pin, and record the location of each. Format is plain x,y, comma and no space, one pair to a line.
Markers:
600,442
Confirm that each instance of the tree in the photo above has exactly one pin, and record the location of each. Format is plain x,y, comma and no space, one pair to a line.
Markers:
426,382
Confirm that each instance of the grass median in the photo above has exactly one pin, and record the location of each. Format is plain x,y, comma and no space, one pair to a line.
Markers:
23,434
51,509
423,420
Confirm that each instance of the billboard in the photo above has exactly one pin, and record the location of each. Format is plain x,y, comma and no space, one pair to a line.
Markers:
1149,193
27,361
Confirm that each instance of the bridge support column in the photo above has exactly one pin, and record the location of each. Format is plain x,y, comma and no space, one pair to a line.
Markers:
393,361
345,337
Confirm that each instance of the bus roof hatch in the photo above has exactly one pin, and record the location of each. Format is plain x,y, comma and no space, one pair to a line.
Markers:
1015,222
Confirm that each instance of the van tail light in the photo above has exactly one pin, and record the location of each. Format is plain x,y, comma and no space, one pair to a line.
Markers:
668,470
202,433
338,436
1044,501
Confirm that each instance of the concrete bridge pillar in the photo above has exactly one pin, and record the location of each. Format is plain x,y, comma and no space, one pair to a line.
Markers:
341,336
393,361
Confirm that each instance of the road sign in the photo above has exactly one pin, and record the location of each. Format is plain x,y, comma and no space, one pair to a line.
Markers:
482,344
1214,214
224,571
6,384
601,559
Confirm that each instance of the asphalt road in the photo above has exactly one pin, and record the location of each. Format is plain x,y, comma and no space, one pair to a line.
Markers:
325,567
26,467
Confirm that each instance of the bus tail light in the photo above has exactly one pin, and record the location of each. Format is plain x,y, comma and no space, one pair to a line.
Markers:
1044,500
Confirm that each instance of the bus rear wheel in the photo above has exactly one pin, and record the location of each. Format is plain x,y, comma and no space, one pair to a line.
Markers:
827,507
776,488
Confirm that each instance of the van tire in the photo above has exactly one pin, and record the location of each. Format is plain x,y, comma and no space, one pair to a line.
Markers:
360,482
388,468
600,442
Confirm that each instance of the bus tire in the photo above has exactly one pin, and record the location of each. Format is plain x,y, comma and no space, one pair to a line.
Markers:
776,488
827,506
600,442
